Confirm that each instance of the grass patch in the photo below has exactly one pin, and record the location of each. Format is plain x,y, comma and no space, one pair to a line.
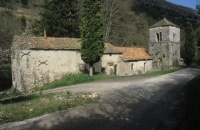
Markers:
192,105
25,107
162,72
11,94
72,79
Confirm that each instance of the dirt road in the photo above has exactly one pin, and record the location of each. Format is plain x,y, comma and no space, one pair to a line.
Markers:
130,103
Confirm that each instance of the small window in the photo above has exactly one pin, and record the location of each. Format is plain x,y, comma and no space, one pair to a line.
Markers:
103,70
132,65
174,37
160,36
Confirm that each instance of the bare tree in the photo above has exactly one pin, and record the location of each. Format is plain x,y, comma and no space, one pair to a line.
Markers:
111,11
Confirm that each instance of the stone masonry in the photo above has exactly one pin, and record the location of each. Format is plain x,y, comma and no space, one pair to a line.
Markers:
164,44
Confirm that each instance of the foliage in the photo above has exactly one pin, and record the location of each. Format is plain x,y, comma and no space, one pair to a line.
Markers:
189,45
72,79
198,8
59,19
23,23
92,46
155,10
25,2
29,106
6,36
5,69
198,42
192,105
4,3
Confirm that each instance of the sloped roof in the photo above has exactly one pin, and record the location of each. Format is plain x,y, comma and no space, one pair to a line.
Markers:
163,23
110,49
133,53
29,42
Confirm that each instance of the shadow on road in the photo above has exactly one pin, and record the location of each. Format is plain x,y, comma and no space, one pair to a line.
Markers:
131,108
151,104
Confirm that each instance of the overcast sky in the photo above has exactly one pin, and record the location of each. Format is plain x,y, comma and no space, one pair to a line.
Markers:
188,3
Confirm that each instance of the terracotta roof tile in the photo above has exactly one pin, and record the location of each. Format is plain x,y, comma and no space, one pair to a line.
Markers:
28,42
134,53
110,49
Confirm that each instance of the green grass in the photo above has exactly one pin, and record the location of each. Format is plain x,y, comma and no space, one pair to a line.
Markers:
25,107
161,72
72,79
192,105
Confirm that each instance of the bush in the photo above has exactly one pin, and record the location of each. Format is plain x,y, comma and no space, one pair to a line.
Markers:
189,45
24,2
5,69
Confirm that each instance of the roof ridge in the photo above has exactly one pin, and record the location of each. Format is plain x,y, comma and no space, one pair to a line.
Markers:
131,47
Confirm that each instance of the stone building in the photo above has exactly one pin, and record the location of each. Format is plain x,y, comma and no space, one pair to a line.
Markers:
164,44
134,60
124,61
38,60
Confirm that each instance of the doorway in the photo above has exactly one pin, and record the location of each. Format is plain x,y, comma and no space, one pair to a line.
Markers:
115,69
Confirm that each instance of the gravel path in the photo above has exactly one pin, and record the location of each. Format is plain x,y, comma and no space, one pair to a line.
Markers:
139,103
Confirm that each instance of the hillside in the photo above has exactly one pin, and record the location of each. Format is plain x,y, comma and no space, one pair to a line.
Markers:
126,22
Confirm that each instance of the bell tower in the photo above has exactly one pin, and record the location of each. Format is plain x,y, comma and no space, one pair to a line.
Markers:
164,44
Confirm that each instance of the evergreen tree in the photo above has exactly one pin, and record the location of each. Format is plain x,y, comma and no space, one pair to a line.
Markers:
198,42
198,8
60,19
92,46
189,45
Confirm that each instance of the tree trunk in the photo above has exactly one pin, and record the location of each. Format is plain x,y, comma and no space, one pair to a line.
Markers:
91,70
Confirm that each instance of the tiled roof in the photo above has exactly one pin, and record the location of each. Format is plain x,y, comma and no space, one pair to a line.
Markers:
162,23
110,49
133,53
29,42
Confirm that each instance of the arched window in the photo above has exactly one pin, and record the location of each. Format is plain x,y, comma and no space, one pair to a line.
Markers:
158,37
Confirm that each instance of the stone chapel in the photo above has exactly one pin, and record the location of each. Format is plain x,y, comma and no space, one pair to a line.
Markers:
38,60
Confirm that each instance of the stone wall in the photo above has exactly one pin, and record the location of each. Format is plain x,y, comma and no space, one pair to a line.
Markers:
107,64
135,67
165,53
35,67
169,34
113,64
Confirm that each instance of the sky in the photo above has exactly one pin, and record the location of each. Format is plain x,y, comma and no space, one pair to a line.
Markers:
187,3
